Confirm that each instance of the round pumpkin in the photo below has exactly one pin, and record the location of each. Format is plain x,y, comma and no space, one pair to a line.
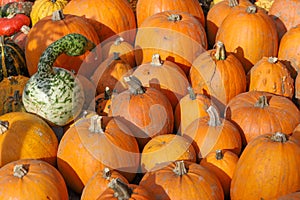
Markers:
32,179
273,166
26,136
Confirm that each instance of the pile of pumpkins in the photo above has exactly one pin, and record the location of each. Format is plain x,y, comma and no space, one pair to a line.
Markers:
149,99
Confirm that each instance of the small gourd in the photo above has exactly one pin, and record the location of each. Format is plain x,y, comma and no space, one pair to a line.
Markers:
54,93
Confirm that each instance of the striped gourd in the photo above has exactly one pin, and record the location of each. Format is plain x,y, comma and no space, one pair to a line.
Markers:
55,93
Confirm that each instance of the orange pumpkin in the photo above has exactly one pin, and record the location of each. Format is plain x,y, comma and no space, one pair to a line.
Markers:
26,136
290,196
32,179
175,35
53,28
182,180
212,133
257,113
271,75
92,144
273,166
250,34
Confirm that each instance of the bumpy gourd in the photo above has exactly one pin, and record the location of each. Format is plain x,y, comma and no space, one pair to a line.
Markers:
54,93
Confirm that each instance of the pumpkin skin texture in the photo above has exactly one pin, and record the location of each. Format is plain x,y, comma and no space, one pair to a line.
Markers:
219,75
98,183
256,177
54,27
27,136
222,163
271,75
176,36
11,25
182,180
257,113
190,6
291,196
285,14
257,35
166,148
165,76
54,93
211,133
13,61
44,8
32,179
92,144
110,18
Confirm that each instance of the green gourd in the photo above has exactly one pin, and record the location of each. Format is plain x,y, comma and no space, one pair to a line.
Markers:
52,92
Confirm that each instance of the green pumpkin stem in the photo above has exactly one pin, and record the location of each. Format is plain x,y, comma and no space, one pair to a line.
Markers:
20,170
3,126
192,94
220,53
135,85
214,117
96,124
262,102
73,44
121,190
219,154
156,60
180,168
279,137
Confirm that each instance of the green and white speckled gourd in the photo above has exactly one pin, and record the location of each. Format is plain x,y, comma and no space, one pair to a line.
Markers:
54,93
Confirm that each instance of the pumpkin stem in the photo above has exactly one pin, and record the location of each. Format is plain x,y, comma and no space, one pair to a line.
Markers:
106,173
262,102
279,137
20,170
174,17
272,60
107,93
95,125
179,168
116,55
233,3
191,93
121,189
12,80
25,29
57,15
118,41
156,60
251,9
135,85
214,116
220,51
219,154
3,126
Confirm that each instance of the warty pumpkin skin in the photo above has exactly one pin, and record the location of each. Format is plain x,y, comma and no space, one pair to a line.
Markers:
249,33
182,180
26,136
32,179
257,113
266,169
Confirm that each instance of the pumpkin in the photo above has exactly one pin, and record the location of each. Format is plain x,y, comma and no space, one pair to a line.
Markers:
110,74
3,2
290,196
44,8
166,148
190,6
89,90
190,107
217,14
297,89
13,23
11,90
124,48
146,111
285,15
256,176
26,136
98,183
222,163
54,93
120,190
17,7
20,37
165,76
219,75
257,113
211,133
271,75
288,52
32,179
92,144
54,27
101,103
176,36
182,180
110,19
257,35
